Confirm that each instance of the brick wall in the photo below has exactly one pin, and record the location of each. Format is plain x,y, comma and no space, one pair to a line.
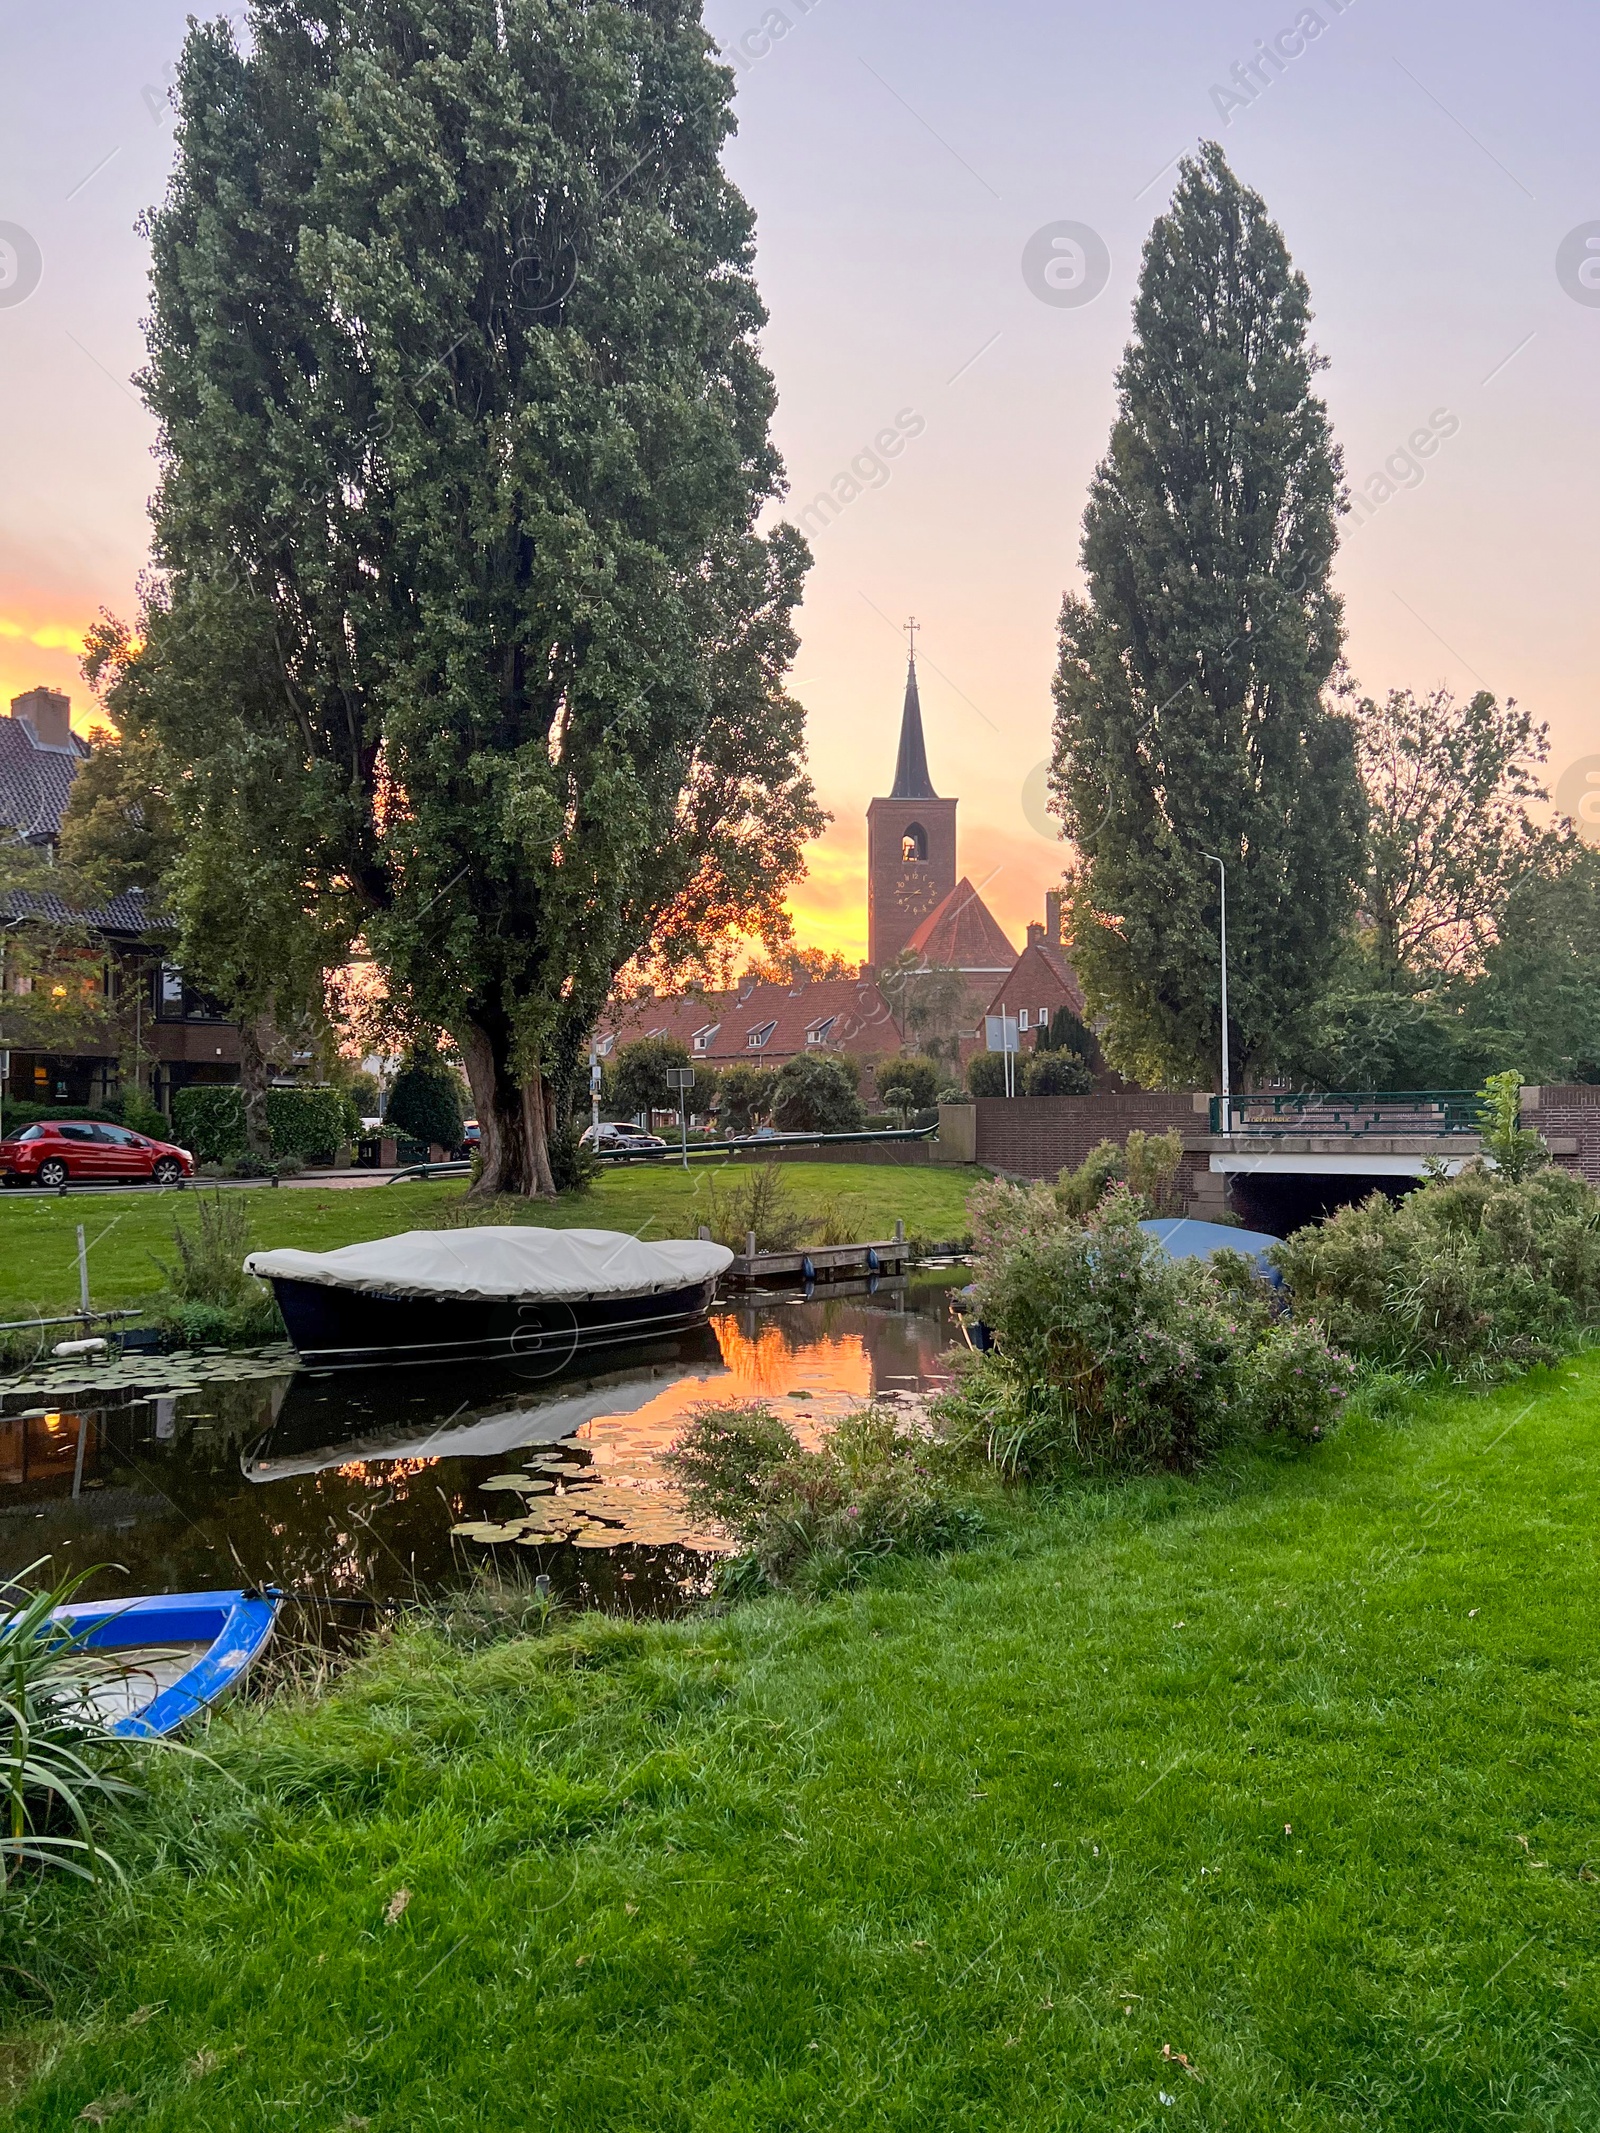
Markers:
1037,1136
1566,1115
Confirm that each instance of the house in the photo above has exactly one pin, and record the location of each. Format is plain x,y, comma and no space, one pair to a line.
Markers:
1039,981
114,1002
758,1023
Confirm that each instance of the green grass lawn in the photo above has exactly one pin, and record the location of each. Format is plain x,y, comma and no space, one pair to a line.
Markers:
128,1232
1290,1771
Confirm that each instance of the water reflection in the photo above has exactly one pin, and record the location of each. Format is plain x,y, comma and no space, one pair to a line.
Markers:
352,1487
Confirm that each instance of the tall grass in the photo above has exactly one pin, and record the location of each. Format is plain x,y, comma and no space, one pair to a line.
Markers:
53,1747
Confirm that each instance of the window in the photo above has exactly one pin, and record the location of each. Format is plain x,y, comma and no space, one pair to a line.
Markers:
31,1133
77,1133
818,1032
605,1047
1022,1018
758,1037
703,1037
913,844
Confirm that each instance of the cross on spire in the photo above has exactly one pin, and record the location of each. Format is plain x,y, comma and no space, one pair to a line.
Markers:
911,628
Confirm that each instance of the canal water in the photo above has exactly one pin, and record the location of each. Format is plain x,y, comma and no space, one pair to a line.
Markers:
375,1487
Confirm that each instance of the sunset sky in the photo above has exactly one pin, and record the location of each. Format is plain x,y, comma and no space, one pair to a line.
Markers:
1426,162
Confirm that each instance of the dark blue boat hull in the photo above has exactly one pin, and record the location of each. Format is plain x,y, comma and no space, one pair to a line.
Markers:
350,1328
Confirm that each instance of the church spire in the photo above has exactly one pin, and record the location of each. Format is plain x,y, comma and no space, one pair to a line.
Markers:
911,780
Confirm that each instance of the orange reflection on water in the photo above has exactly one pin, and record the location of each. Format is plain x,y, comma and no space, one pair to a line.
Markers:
766,1366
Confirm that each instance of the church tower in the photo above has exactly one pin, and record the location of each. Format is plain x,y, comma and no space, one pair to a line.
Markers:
911,843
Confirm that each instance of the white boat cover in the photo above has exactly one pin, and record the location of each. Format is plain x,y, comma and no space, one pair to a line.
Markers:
491,1264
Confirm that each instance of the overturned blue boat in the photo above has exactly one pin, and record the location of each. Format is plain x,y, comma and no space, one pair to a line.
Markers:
540,1297
169,1657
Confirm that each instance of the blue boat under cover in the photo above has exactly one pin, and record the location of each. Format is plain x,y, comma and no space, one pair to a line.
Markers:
226,1629
1182,1238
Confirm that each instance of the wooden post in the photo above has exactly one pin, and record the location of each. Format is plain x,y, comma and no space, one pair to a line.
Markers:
899,1230
750,1244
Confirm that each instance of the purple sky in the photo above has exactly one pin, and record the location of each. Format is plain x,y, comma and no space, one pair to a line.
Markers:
1425,162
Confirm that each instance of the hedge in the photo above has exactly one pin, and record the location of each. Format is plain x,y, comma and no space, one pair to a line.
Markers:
313,1124
18,1115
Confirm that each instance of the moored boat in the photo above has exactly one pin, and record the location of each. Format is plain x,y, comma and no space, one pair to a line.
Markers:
169,1656
540,1297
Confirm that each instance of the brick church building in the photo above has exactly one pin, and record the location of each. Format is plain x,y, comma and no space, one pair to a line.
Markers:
920,912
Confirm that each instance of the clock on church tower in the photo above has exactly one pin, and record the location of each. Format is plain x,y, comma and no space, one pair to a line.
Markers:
911,842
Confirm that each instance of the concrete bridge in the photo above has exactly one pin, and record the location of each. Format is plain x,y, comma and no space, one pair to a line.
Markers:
1285,1158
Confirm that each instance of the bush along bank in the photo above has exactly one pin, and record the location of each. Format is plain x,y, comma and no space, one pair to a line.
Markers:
1478,1276
209,1301
1110,1357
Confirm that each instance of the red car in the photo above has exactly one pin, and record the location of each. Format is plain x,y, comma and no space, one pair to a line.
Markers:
84,1150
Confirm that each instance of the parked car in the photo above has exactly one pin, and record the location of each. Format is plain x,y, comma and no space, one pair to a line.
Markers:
83,1150
611,1139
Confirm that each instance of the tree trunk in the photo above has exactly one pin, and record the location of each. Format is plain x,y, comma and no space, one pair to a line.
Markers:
515,1119
253,1086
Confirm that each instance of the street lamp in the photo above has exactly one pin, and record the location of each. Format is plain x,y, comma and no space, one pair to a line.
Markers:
1227,1094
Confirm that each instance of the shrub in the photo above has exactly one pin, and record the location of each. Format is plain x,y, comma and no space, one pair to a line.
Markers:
908,1085
986,1073
1110,1356
1481,1275
208,1119
756,1200
639,1076
314,1123
744,1096
819,1519
1515,1149
1148,1164
1056,1074
210,1300
139,1115
17,1115
814,1093
425,1102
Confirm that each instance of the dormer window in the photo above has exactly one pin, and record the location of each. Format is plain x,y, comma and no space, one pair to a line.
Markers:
818,1033
606,1046
702,1037
759,1035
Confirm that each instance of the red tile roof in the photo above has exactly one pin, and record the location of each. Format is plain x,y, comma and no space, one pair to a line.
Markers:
829,1014
961,933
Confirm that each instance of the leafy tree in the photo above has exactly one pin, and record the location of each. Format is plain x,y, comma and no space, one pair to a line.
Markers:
744,1097
425,1102
788,965
639,1082
464,441
814,1093
1067,1032
1448,833
908,1085
1539,997
118,828
986,1073
931,1005
1055,1074
1516,1150
226,861
1189,696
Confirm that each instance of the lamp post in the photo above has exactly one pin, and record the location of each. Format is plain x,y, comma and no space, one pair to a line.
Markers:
1227,1094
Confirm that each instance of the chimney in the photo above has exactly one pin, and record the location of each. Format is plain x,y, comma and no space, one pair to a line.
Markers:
1035,933
48,712
1052,917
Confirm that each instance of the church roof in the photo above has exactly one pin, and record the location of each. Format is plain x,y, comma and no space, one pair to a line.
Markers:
911,779
962,933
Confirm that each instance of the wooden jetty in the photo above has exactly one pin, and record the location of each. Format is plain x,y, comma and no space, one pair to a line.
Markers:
817,1263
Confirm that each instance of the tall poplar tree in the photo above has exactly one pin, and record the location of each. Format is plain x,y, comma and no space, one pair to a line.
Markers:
1190,711
464,437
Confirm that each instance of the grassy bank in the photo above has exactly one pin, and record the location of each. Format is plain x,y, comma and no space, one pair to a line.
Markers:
128,1232
1289,1772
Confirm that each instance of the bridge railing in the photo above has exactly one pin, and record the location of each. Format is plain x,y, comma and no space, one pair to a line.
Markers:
1351,1113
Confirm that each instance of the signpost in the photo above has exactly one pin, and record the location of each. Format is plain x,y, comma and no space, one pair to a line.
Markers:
1000,1035
682,1079
594,1093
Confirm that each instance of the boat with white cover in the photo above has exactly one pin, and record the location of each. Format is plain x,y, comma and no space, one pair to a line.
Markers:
544,1297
